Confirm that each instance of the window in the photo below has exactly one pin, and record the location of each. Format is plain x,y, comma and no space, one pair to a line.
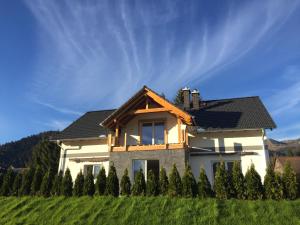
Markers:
145,165
228,166
153,133
94,168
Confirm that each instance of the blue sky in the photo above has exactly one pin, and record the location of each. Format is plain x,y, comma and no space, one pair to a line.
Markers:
59,59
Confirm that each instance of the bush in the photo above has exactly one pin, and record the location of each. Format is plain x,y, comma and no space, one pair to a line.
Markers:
36,182
152,184
89,185
57,183
46,184
139,186
175,184
26,181
125,184
221,184
163,182
254,188
101,182
289,181
272,184
204,187
8,181
79,183
67,184
112,182
17,185
1,179
238,181
189,184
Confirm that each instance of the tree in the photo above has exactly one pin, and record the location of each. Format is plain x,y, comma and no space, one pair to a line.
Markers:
163,182
221,184
178,100
272,184
79,184
36,181
289,181
101,182
254,188
204,187
8,181
125,184
139,185
89,185
175,184
57,183
112,182
46,184
67,184
26,181
17,185
238,181
189,184
152,184
1,179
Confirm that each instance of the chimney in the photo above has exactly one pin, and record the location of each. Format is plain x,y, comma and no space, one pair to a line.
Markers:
186,97
196,99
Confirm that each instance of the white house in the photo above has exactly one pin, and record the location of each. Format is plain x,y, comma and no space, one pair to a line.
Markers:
149,132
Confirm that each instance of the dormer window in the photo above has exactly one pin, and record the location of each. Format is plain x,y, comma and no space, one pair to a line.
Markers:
153,133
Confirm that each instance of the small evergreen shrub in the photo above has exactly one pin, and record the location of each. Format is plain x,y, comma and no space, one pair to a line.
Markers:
204,187
27,181
89,185
112,182
273,186
17,185
163,182
289,181
57,183
101,182
152,184
36,181
238,181
8,181
189,184
254,188
139,185
125,184
67,184
1,180
46,184
79,183
221,184
175,184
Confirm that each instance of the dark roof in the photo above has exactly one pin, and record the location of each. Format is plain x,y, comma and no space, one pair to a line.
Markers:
234,113
87,126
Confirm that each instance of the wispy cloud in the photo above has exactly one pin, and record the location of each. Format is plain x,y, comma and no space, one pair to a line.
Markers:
55,124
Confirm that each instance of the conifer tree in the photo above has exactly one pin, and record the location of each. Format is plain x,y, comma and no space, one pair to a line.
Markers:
125,184
139,185
112,182
163,182
254,188
152,184
46,184
57,183
8,181
101,182
67,184
17,185
204,187
272,184
27,181
178,100
189,184
79,184
238,181
289,181
221,184
1,179
89,185
36,181
175,184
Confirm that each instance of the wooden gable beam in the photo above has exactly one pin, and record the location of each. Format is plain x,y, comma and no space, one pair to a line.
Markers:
151,110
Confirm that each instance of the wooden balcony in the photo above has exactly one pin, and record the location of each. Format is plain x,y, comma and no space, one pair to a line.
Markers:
131,148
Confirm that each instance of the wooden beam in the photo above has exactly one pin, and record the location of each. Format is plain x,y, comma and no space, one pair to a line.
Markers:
179,130
125,138
109,142
166,135
117,135
152,110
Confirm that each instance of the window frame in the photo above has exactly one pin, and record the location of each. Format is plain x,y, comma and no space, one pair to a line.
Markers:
93,168
212,162
145,171
153,122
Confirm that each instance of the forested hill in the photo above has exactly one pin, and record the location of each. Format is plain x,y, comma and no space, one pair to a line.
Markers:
18,153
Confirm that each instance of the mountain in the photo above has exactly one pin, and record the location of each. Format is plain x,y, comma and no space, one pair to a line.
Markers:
18,153
284,148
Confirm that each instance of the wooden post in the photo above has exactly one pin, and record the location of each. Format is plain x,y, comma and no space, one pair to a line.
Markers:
186,137
125,139
179,130
109,142
166,136
117,135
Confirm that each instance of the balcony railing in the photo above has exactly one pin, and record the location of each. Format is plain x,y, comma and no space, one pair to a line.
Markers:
148,147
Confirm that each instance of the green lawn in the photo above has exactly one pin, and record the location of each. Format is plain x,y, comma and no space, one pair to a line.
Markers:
142,210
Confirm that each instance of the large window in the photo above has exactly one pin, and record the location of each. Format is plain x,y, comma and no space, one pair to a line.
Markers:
94,168
153,133
145,165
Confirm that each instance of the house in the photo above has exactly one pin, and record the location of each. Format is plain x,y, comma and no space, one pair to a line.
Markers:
294,162
149,132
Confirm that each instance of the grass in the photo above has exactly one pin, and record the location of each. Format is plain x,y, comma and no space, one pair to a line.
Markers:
142,210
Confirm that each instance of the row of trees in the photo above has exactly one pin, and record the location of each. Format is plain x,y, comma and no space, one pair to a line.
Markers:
226,184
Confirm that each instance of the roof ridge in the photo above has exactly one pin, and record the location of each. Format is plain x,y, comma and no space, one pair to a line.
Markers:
101,110
254,96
